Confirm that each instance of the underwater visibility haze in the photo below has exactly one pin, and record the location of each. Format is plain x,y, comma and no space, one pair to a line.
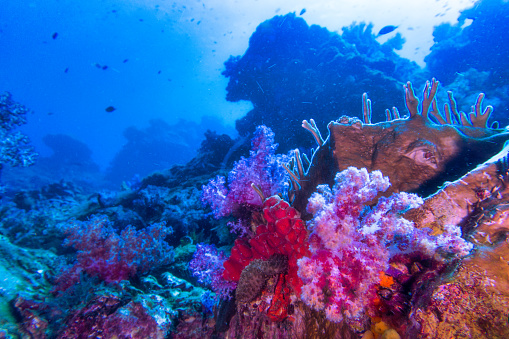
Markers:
254,169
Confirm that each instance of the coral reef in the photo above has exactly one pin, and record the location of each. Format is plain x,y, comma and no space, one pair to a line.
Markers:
418,153
337,245
458,55
377,254
292,71
463,45
15,148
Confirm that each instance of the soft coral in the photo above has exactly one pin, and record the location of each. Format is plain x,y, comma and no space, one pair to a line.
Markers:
282,233
110,256
352,243
262,168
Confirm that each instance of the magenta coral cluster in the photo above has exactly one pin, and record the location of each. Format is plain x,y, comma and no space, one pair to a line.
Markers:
262,168
107,317
207,266
113,257
351,244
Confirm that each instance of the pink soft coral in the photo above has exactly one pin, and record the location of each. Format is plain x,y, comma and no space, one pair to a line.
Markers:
351,243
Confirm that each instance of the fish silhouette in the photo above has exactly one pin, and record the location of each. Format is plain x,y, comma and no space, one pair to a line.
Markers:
387,29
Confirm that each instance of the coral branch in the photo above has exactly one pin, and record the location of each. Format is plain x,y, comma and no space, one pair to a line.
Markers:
428,96
366,109
311,126
411,100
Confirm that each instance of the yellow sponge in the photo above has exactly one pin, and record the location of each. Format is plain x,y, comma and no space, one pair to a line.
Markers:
390,334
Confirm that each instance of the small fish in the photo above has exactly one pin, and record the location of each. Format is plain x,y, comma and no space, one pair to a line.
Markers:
97,65
159,72
54,36
105,67
66,70
387,29
110,109
125,60
303,11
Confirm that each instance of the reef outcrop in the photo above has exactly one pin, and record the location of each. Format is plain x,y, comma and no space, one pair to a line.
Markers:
418,152
380,259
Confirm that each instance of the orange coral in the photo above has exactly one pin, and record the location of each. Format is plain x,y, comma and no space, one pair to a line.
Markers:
386,280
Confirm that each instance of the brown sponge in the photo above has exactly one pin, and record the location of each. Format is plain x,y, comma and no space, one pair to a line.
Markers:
253,277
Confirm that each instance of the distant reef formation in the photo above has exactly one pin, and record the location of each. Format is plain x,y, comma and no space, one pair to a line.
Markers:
292,71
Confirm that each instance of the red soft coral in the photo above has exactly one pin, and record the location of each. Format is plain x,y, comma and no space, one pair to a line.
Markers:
113,257
283,233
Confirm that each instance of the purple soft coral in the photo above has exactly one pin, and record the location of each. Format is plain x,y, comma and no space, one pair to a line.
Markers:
352,244
207,266
262,168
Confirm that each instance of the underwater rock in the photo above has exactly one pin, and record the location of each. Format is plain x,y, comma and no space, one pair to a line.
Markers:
416,153
23,270
109,316
253,277
292,71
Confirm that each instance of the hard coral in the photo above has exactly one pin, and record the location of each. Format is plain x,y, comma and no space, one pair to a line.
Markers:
417,153
283,233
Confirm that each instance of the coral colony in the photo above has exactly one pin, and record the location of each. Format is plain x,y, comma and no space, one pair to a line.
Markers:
15,148
345,253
